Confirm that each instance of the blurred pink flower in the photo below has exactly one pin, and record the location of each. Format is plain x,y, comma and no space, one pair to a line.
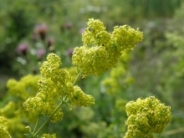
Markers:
50,41
22,49
40,53
41,29
68,25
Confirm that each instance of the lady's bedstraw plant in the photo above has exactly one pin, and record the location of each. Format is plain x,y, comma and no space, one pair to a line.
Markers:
101,51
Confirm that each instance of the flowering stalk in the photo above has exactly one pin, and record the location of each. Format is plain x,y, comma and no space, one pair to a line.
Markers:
55,87
57,108
100,52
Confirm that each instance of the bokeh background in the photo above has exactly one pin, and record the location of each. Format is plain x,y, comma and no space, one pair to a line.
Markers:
30,29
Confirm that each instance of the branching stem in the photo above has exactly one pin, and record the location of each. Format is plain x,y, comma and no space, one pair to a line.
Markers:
46,121
62,102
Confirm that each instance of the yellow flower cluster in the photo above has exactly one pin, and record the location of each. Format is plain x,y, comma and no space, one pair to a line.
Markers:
72,71
8,110
119,77
78,98
145,117
55,86
25,87
101,49
3,128
19,91
16,125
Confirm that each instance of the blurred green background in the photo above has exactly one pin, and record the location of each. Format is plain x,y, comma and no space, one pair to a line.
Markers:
29,29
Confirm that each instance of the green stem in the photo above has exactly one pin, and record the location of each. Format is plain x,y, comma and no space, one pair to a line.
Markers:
35,126
78,76
172,132
63,101
46,121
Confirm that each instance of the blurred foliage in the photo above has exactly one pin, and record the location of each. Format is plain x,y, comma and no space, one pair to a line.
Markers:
155,67
17,24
